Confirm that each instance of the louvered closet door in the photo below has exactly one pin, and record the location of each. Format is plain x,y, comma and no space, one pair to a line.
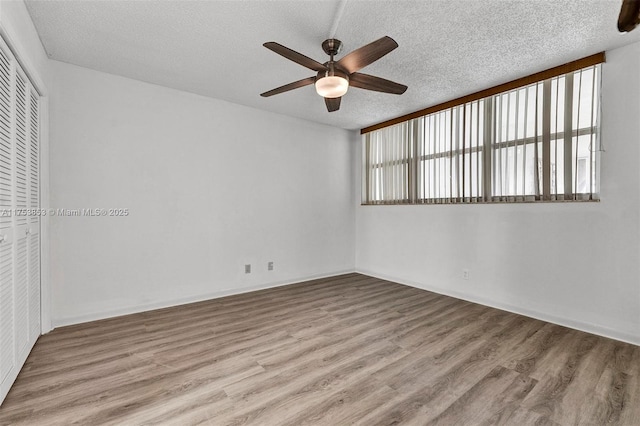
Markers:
7,346
19,219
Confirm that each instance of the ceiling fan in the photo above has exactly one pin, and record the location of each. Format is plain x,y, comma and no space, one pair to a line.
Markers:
629,15
335,77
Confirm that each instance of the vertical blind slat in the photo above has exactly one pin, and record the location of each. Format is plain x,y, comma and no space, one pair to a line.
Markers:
515,143
478,192
488,140
568,135
536,168
505,151
577,137
592,123
525,135
546,140
553,129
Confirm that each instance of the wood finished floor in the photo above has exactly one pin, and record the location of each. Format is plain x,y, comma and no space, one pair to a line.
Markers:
338,351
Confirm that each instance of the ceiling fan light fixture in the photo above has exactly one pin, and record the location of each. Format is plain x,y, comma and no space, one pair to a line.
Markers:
332,86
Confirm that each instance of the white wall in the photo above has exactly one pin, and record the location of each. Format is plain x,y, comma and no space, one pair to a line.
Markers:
576,264
210,186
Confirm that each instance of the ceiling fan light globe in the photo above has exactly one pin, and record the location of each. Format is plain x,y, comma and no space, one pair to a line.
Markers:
332,86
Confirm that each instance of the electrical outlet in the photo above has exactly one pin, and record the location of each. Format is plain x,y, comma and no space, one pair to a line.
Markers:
247,269
270,266
465,274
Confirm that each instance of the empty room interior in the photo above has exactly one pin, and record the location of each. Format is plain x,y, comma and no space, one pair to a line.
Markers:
190,234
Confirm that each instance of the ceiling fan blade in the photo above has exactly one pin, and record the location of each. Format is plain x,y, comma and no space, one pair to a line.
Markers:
366,55
629,15
290,86
370,82
294,56
333,104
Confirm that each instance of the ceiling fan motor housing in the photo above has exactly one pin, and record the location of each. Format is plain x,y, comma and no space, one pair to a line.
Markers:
332,46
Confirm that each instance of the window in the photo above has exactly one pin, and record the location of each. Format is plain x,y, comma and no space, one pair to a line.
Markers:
537,142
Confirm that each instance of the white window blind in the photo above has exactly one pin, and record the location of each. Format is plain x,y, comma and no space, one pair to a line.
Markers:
388,161
539,142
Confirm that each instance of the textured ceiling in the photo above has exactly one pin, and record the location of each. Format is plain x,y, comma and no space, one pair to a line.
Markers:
214,48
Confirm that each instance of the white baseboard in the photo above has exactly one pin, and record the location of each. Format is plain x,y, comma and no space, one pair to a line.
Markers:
543,316
94,316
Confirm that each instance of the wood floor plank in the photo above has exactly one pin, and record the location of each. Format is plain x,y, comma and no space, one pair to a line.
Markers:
341,350
605,404
593,371
437,384
525,357
523,417
556,391
494,398
271,403
630,414
344,406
